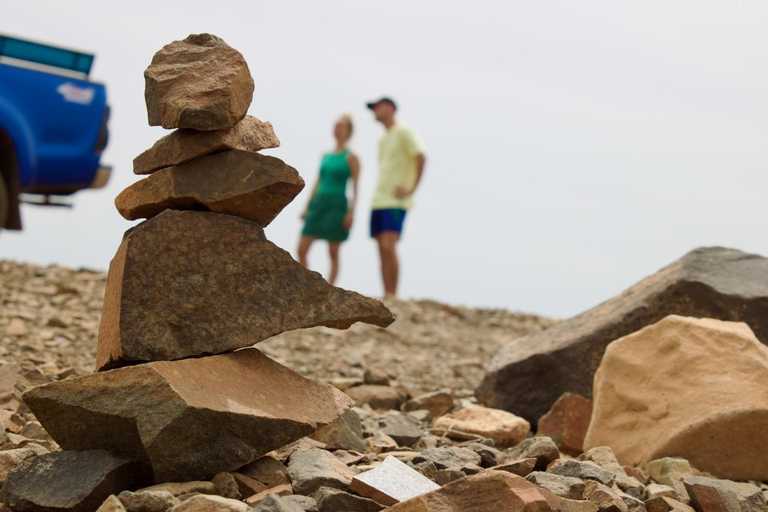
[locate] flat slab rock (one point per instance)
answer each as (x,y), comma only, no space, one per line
(186,284)
(529,374)
(200,83)
(188,419)
(240,183)
(707,402)
(491,491)
(181,146)
(71,481)
(392,482)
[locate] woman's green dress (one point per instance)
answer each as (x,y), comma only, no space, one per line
(325,216)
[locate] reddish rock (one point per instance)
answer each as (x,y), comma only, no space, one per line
(529,374)
(186,284)
(567,422)
(491,491)
(706,402)
(378,397)
(200,83)
(240,183)
(181,146)
(436,402)
(189,419)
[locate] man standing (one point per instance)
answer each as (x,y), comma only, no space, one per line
(401,164)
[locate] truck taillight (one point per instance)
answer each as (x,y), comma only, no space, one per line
(101,141)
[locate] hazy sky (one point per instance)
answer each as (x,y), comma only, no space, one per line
(572,147)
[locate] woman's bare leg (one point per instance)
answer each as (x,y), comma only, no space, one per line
(333,250)
(304,243)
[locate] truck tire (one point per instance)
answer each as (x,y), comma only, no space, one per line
(4,202)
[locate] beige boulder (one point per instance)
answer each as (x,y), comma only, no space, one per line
(181,146)
(200,83)
(248,185)
(503,427)
(186,284)
(685,387)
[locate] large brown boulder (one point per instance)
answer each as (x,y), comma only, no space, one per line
(200,83)
(241,183)
(188,419)
(685,387)
(529,374)
(181,146)
(186,284)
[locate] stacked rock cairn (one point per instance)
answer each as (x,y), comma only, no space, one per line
(179,391)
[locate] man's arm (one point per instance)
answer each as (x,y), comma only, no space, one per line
(403,192)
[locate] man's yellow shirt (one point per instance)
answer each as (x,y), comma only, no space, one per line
(398,149)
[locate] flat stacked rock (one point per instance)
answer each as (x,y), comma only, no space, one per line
(197,281)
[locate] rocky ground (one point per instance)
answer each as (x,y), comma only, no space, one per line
(50,317)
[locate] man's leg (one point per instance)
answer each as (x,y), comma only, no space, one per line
(333,250)
(390,267)
(304,243)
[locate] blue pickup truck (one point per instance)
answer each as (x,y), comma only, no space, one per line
(53,125)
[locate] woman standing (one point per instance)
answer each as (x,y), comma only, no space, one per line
(328,215)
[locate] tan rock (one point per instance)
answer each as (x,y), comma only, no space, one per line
(210,503)
(16,327)
(200,83)
(503,427)
(181,488)
(111,504)
(669,470)
(436,402)
(279,490)
(240,183)
(248,486)
(491,491)
(187,284)
(567,423)
(685,387)
(181,146)
(189,419)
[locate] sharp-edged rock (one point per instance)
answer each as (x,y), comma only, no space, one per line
(564,486)
(392,482)
(70,481)
(147,501)
(706,402)
(378,397)
(491,491)
(248,185)
(311,469)
(346,433)
(668,470)
(713,495)
(448,457)
(210,503)
(181,146)
(335,500)
(402,428)
(543,449)
(436,402)
(111,504)
(200,83)
(189,419)
(528,375)
(230,288)
(584,471)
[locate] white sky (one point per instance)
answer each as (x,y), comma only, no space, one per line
(573,147)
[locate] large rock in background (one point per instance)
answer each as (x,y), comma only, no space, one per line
(529,374)
(685,387)
(188,419)
(240,183)
(181,146)
(186,284)
(200,83)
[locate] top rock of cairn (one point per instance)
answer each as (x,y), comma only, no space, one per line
(200,83)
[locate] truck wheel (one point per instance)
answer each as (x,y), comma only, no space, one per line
(4,202)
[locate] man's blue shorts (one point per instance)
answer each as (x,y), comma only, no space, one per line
(390,219)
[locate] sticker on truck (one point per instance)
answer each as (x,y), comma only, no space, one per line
(75,94)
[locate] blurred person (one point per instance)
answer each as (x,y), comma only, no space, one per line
(328,216)
(401,165)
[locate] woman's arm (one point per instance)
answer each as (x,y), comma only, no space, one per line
(354,168)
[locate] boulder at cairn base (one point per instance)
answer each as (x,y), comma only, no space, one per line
(70,481)
(181,146)
(240,183)
(685,387)
(186,284)
(200,83)
(527,375)
(188,419)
